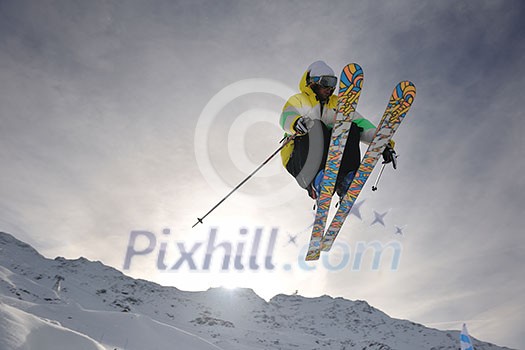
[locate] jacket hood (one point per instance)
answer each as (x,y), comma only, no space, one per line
(303,86)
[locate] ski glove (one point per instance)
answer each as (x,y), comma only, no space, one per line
(303,125)
(389,155)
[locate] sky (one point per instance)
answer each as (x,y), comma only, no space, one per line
(123,122)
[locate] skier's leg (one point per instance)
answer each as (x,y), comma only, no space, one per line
(350,161)
(308,155)
(314,188)
(327,135)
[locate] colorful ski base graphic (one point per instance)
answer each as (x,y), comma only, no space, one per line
(397,108)
(350,85)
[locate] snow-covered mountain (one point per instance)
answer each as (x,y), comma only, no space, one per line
(80,304)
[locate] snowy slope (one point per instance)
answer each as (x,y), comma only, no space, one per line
(21,330)
(97,307)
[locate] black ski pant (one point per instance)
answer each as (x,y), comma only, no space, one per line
(311,150)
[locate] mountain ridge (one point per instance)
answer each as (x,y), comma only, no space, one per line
(71,292)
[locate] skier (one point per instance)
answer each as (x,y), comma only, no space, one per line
(310,115)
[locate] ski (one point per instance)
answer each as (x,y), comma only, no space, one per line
(350,85)
(399,104)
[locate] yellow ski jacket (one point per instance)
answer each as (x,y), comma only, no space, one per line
(305,104)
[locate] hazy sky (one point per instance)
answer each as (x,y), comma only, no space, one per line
(135,115)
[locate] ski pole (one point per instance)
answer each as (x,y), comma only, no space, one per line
(286,141)
(394,163)
(374,187)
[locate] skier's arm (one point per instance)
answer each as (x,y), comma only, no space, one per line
(290,114)
(369,129)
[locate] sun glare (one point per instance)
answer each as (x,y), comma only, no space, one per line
(230,286)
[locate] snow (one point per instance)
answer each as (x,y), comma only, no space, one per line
(23,331)
(98,307)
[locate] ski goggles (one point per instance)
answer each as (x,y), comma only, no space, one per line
(326,81)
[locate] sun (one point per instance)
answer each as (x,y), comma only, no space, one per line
(230,285)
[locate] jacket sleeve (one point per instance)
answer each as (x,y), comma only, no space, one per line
(369,129)
(290,114)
